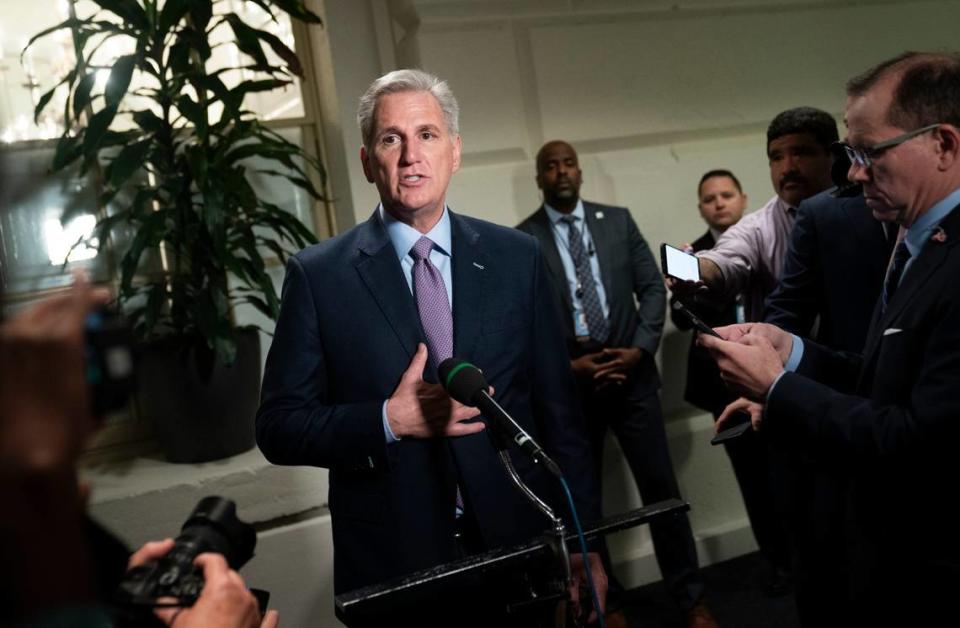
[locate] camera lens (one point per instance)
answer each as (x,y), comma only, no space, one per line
(213,526)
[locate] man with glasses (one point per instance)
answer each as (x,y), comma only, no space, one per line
(891,415)
(828,286)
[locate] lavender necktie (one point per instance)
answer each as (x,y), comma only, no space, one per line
(432,302)
(434,308)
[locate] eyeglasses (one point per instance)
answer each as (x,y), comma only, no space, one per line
(864,156)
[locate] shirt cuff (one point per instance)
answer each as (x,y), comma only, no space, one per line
(766,400)
(388,434)
(796,354)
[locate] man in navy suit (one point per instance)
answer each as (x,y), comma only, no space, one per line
(365,319)
(831,276)
(608,290)
(832,272)
(891,413)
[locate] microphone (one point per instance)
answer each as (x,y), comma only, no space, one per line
(466,383)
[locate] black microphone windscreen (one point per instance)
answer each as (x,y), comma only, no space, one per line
(462,380)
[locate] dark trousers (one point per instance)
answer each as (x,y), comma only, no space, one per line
(637,421)
(821,573)
(767,484)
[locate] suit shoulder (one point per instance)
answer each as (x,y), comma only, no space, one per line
(336,248)
(527,224)
(499,234)
(611,210)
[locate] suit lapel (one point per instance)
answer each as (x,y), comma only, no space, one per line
(933,255)
(543,230)
(380,270)
(600,233)
(470,285)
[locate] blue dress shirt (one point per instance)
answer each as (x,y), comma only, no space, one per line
(916,238)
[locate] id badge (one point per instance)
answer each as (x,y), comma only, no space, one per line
(580,323)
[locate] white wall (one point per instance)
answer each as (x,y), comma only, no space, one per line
(652,93)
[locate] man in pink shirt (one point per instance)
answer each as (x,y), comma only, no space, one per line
(746,261)
(748,256)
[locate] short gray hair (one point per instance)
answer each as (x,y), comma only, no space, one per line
(408,80)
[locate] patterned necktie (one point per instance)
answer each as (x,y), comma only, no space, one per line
(434,309)
(901,255)
(432,302)
(597,323)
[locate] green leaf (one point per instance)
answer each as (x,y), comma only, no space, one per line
(81,95)
(232,99)
(149,232)
(195,113)
(268,150)
(142,202)
(68,149)
(128,10)
(226,349)
(197,161)
(49,93)
(290,222)
(69,23)
(105,226)
(296,8)
(156,296)
(171,15)
(265,5)
(200,13)
(44,100)
(266,285)
(235,266)
(97,128)
(119,80)
(247,40)
(298,181)
(214,217)
(274,246)
(241,190)
(129,160)
(284,52)
(261,305)
(148,121)
(179,58)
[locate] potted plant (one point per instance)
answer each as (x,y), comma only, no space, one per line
(172,146)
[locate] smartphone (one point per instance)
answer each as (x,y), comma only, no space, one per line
(679,264)
(702,327)
(734,431)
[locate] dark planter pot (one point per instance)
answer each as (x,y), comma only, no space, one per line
(196,420)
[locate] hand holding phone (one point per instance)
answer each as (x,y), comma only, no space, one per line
(734,431)
(700,326)
(679,264)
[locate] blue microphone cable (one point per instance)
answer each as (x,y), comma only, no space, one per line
(583,550)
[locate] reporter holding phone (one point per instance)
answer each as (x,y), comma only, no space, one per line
(721,203)
(608,290)
(891,414)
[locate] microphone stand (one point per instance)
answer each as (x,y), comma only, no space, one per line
(554,538)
